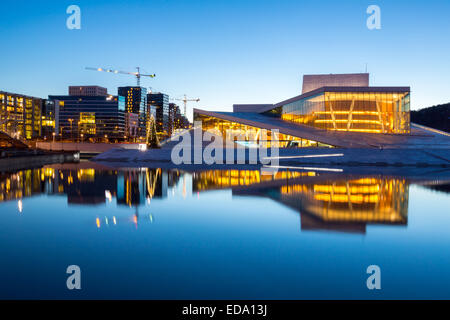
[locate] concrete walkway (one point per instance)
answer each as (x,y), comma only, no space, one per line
(347,157)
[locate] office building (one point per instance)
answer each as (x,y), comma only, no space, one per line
(50,116)
(131,126)
(134,100)
(88,117)
(20,115)
(176,119)
(160,103)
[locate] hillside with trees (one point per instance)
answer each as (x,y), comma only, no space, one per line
(437,117)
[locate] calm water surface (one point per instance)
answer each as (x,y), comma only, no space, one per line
(152,233)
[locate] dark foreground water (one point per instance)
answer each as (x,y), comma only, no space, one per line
(151,233)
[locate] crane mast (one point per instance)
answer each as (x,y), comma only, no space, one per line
(185,101)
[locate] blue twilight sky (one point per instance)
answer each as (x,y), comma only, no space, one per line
(225,52)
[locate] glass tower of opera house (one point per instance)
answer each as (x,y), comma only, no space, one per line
(334,110)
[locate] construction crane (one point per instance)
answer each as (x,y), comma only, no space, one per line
(185,101)
(137,74)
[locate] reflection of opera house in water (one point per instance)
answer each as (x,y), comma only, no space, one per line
(350,204)
(324,201)
(337,203)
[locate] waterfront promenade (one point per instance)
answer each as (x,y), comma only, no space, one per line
(86,147)
(424,148)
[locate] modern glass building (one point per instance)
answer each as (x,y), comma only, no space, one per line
(176,119)
(20,115)
(134,100)
(329,116)
(97,117)
(160,103)
(50,109)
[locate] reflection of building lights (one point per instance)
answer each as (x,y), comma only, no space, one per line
(106,220)
(135,220)
(150,217)
(86,174)
(362,200)
(229,178)
(305,168)
(308,156)
(19,205)
(114,220)
(108,195)
(97,221)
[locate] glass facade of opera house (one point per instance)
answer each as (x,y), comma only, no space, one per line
(248,135)
(371,110)
(357,111)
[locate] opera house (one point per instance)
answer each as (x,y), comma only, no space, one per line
(335,110)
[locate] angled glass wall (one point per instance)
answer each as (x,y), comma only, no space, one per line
(373,112)
(253,136)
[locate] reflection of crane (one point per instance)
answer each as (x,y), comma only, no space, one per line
(185,101)
(137,74)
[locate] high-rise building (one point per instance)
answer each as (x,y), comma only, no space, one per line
(134,100)
(131,126)
(176,119)
(160,102)
(20,115)
(87,91)
(174,111)
(50,116)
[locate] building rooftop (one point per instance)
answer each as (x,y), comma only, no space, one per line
(315,81)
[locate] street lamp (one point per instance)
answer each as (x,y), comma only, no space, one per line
(71,129)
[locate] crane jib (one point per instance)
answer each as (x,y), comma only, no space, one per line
(137,74)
